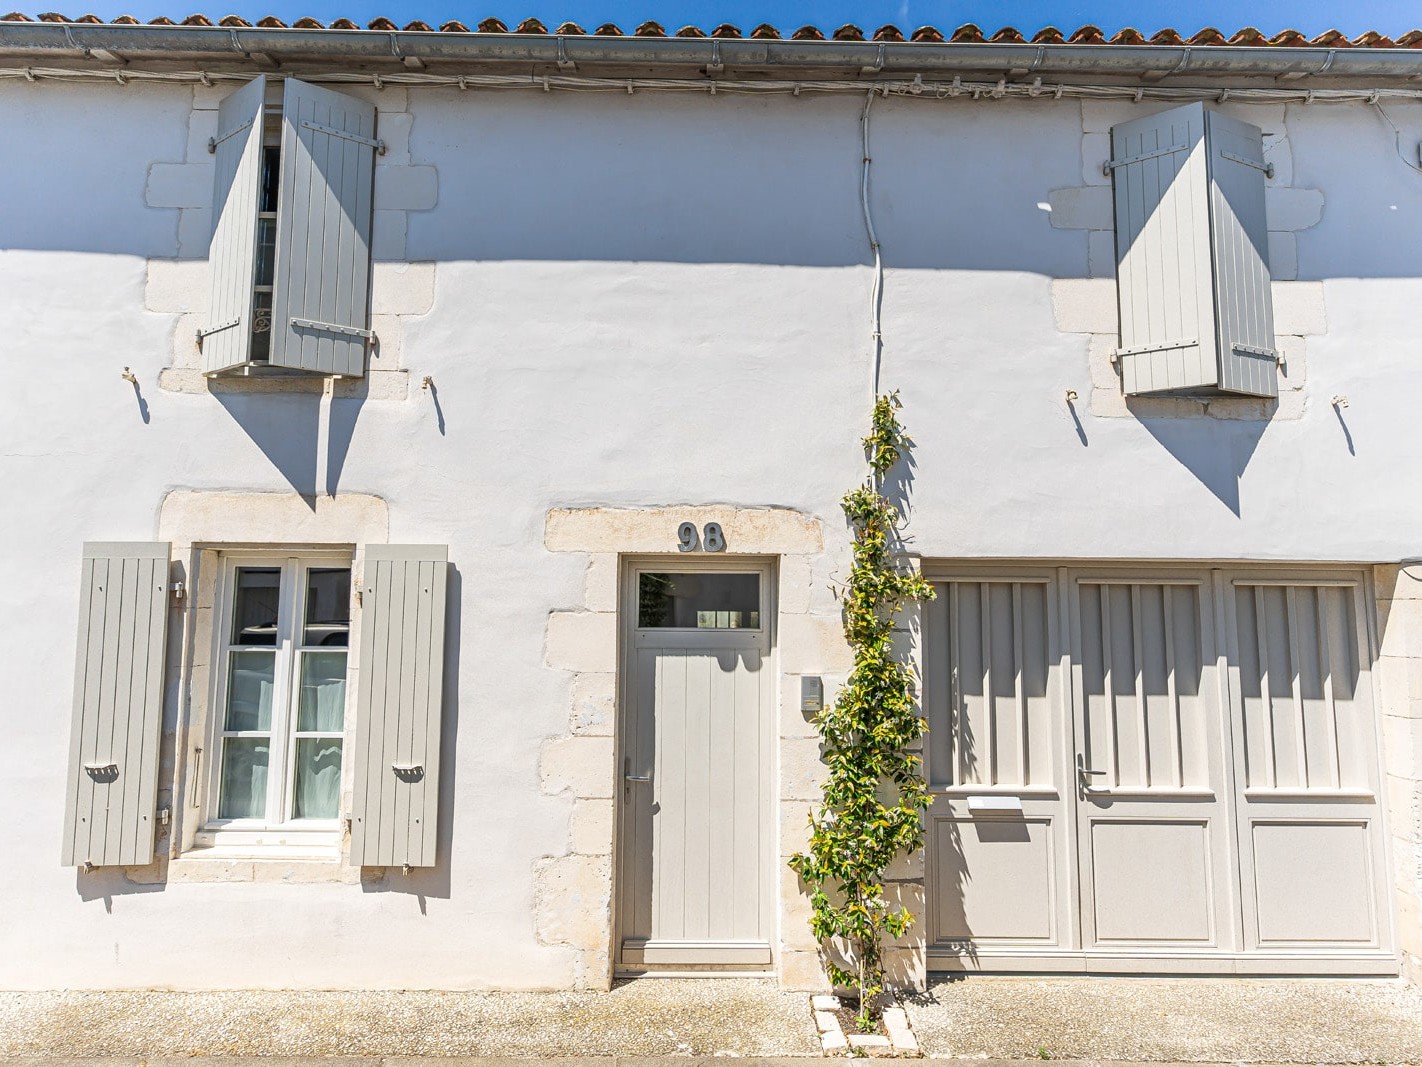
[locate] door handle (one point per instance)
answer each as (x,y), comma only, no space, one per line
(636,777)
(1084,774)
(628,778)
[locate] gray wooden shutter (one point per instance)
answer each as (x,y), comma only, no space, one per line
(1192,274)
(118,705)
(1244,303)
(227,337)
(321,306)
(400,685)
(1159,173)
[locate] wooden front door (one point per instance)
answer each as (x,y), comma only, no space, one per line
(696,790)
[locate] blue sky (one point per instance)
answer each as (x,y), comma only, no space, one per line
(1310,16)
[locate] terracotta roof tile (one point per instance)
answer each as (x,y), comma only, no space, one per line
(968,33)
(1249,36)
(1208,36)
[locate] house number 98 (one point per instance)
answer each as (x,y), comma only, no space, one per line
(712,539)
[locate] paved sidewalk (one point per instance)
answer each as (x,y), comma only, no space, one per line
(647,1018)
(1191,1020)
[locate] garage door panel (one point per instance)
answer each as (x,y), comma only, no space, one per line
(994,880)
(1314,883)
(1152,882)
(1225,810)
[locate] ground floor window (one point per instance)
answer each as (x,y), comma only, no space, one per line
(279,701)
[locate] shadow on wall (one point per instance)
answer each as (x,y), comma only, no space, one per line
(424,882)
(1215,451)
(288,428)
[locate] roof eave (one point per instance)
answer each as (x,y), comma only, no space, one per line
(239,47)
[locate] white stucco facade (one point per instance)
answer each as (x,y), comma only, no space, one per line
(599,315)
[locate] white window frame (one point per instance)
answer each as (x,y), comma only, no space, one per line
(304,835)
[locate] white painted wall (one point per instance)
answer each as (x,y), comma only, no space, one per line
(637,301)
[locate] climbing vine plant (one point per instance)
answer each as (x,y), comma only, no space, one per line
(875,795)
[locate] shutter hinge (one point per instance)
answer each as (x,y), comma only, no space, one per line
(1112,164)
(1255,350)
(1267,168)
(332,327)
(217,329)
(1168,346)
(331,131)
(213,142)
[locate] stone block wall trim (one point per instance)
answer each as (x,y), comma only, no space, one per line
(178,287)
(578,766)
(1399,689)
(1087,306)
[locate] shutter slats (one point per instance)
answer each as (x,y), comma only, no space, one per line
(233,250)
(1192,271)
(403,594)
(1162,269)
(1241,241)
(323,228)
(118,705)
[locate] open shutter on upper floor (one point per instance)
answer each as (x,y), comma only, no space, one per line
(1243,301)
(321,303)
(1192,275)
(226,339)
(400,686)
(118,705)
(1163,252)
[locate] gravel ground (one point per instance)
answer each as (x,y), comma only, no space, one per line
(646,1018)
(1182,1020)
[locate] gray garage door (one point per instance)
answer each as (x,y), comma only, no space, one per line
(1154,769)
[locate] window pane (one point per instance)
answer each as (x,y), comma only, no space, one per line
(254,616)
(271,174)
(323,692)
(262,328)
(318,778)
(707,601)
(328,607)
(244,779)
(249,691)
(266,251)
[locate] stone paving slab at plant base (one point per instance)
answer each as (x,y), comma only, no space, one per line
(710,1017)
(1191,1020)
